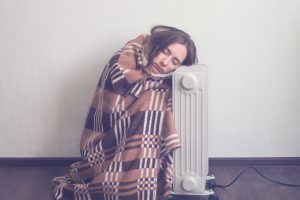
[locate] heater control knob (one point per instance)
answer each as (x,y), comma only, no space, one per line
(188,81)
(189,183)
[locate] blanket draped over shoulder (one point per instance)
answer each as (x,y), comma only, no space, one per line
(129,135)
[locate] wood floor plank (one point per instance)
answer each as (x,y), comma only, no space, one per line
(27,182)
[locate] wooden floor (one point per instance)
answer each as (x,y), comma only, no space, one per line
(34,183)
(251,186)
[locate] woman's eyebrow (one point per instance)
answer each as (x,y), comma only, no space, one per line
(168,50)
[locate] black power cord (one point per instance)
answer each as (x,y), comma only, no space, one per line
(212,183)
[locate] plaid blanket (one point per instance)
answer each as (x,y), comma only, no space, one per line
(129,135)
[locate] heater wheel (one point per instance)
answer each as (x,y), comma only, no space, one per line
(213,197)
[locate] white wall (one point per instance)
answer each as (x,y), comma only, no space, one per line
(52,53)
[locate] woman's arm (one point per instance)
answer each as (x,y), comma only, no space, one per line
(126,66)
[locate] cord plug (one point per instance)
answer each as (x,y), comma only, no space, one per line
(211,183)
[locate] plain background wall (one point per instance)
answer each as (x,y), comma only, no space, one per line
(52,54)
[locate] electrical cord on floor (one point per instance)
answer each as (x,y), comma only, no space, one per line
(213,184)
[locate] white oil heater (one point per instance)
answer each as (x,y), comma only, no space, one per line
(190,113)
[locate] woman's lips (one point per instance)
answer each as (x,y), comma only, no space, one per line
(158,68)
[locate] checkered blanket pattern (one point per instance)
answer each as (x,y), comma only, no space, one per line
(129,135)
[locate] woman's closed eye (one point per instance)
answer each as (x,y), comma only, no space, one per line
(175,61)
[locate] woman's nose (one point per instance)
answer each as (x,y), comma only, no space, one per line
(164,61)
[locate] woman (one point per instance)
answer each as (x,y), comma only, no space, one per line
(129,135)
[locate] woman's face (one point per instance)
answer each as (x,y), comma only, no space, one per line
(169,59)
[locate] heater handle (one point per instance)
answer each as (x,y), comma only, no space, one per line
(189,183)
(188,81)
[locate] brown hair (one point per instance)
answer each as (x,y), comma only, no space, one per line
(163,36)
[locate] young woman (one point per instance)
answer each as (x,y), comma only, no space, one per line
(129,134)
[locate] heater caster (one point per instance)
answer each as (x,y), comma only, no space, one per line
(213,197)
